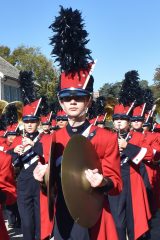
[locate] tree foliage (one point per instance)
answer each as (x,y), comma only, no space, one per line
(113,90)
(157,76)
(143,84)
(110,90)
(31,59)
(156,87)
(5,52)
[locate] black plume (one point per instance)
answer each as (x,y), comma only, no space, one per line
(55,106)
(11,114)
(148,99)
(131,90)
(100,105)
(27,86)
(3,122)
(69,41)
(44,106)
(92,110)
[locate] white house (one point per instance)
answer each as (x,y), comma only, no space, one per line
(9,85)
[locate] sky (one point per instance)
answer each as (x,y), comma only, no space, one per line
(124,34)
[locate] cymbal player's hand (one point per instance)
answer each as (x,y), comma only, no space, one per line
(40,171)
(94,177)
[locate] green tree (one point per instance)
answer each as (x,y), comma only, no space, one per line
(143,84)
(156,91)
(5,52)
(110,90)
(156,78)
(156,86)
(31,59)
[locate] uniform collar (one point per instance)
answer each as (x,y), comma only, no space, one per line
(77,130)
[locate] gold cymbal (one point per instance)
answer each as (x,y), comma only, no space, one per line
(84,202)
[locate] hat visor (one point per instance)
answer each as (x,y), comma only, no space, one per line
(100,122)
(137,118)
(73,92)
(30,118)
(120,116)
(45,123)
(62,118)
(13,133)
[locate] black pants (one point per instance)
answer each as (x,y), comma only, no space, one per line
(13,214)
(121,208)
(28,197)
(64,226)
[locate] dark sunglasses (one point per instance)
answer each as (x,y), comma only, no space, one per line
(61,119)
(76,98)
(31,121)
(137,119)
(120,117)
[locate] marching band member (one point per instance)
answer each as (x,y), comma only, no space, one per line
(27,150)
(130,208)
(75,95)
(61,119)
(75,106)
(137,118)
(46,123)
(149,169)
(12,130)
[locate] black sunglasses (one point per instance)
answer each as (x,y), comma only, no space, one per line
(76,98)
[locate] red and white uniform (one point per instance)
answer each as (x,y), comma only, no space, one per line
(46,225)
(106,146)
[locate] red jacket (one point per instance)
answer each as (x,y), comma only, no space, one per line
(46,224)
(140,205)
(7,185)
(153,170)
(106,146)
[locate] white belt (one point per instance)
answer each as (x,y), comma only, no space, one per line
(28,164)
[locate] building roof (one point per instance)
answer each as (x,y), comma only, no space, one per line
(8,69)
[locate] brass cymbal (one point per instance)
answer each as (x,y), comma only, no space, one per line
(84,202)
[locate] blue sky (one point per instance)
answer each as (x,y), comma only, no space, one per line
(124,34)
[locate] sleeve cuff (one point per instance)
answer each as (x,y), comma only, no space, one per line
(135,153)
(108,185)
(131,151)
